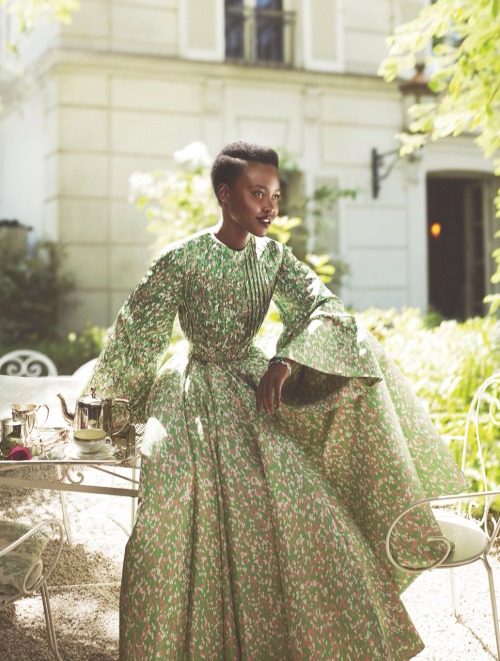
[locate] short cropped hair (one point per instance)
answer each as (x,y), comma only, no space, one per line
(230,162)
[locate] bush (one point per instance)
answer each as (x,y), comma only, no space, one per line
(69,353)
(446,364)
(33,293)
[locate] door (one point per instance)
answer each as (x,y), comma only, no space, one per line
(460,241)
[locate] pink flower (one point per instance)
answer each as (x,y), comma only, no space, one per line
(19,453)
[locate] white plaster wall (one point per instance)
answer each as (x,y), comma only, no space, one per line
(22,169)
(104,122)
(100,114)
(366,26)
(357,32)
(123,26)
(43,37)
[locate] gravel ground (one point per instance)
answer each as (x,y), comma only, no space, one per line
(85,588)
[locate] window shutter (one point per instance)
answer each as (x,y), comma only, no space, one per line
(322,36)
(201,27)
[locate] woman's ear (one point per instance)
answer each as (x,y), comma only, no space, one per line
(223,192)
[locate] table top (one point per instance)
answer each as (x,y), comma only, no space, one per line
(61,472)
(54,446)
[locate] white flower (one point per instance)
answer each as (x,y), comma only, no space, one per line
(193,156)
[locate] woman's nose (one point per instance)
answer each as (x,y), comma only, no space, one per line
(270,205)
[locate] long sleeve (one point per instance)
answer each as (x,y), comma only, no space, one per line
(334,358)
(140,335)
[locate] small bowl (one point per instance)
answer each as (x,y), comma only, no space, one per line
(90,441)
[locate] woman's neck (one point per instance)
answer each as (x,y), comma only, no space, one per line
(231,235)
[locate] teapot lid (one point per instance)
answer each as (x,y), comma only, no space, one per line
(91,399)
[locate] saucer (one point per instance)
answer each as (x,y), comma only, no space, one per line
(72,452)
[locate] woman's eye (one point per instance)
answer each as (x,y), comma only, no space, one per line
(258,193)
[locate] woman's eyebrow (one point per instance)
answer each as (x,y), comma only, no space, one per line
(264,187)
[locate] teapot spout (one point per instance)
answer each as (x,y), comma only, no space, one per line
(69,417)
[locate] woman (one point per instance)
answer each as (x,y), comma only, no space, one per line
(267,487)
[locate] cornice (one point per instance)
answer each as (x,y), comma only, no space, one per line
(71,60)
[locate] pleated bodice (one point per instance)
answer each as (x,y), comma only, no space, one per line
(226,297)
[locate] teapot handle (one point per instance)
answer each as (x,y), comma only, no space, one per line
(126,404)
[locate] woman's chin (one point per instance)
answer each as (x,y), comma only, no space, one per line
(261,230)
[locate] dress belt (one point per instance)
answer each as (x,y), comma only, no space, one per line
(193,356)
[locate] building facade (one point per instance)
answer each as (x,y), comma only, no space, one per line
(131,81)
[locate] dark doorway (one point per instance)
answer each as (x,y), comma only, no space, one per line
(456,246)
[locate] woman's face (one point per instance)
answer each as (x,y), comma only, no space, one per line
(252,202)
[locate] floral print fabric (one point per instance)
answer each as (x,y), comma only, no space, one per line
(262,537)
(21,567)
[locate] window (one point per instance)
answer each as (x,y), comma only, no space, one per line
(269,25)
(262,34)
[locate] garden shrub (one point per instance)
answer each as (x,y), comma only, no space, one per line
(67,353)
(446,364)
(34,293)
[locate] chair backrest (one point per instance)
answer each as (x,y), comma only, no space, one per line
(482,425)
(27,362)
(40,390)
(84,372)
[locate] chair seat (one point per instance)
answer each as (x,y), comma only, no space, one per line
(469,539)
(22,565)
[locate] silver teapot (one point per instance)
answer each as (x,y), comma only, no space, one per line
(95,412)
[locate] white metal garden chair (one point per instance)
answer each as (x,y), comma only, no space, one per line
(464,539)
(24,568)
(27,362)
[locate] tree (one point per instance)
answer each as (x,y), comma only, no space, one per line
(462,38)
(27,14)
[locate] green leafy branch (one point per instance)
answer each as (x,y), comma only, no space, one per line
(464,64)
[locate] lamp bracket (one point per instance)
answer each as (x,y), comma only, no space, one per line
(378,175)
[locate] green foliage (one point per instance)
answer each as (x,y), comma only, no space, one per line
(180,202)
(26,15)
(464,72)
(68,353)
(464,69)
(33,293)
(29,12)
(445,364)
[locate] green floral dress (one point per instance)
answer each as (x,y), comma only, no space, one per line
(262,537)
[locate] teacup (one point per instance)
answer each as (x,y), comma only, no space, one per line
(90,441)
(29,414)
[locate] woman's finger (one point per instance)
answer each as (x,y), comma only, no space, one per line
(277,393)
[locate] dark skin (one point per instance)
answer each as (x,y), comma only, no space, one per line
(249,206)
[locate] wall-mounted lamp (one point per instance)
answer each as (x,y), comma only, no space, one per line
(378,164)
(412,90)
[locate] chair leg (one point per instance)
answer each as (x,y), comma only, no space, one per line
(453,593)
(51,633)
(493,598)
(62,497)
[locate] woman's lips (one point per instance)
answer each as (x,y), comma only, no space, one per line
(264,220)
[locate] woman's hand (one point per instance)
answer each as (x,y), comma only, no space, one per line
(269,389)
